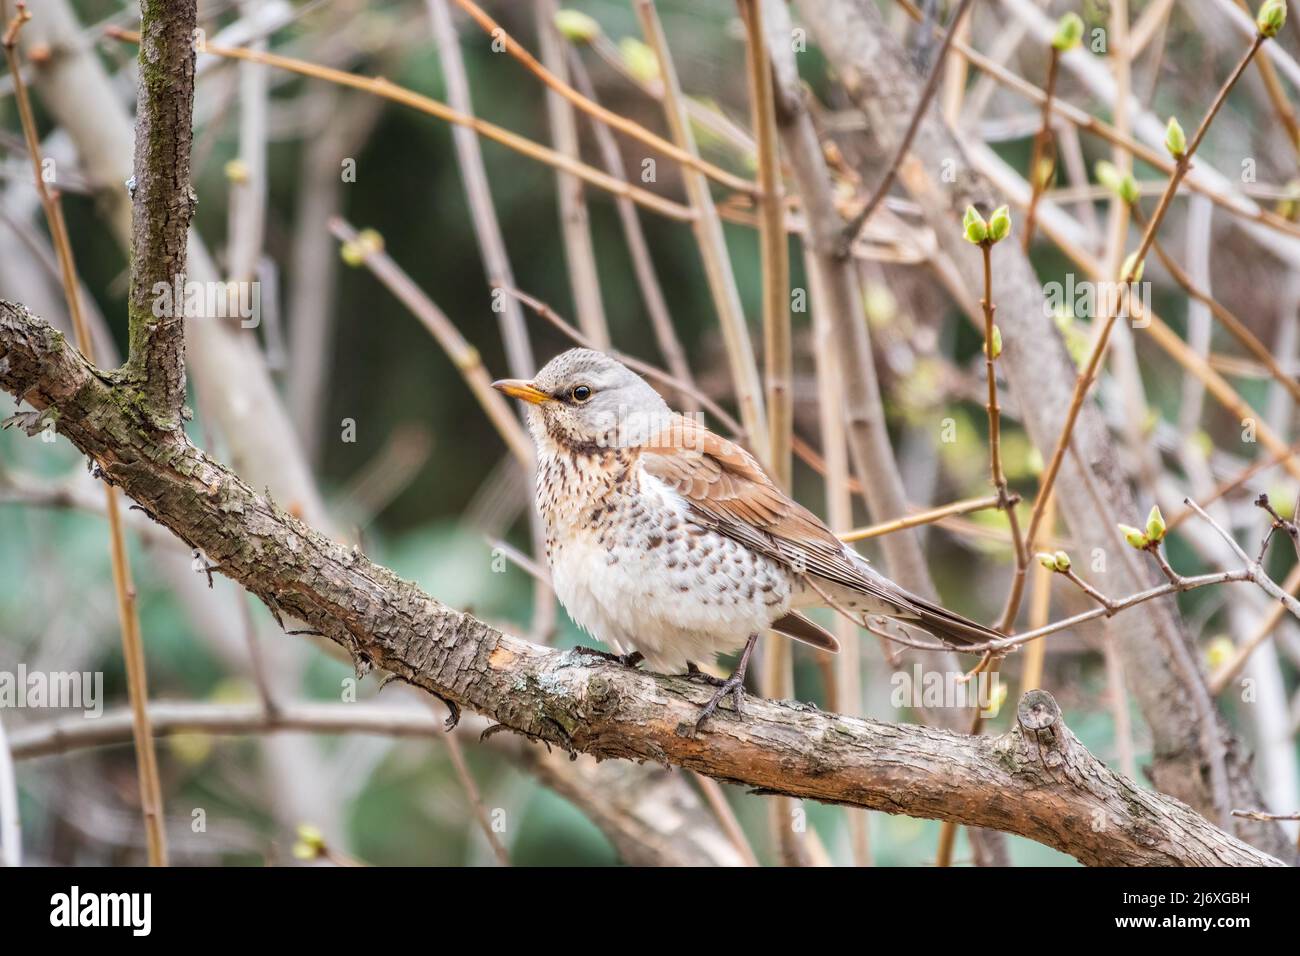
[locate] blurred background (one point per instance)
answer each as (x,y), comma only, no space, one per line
(400,460)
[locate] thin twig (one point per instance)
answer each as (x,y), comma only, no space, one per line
(1086,121)
(929,516)
(1271,587)
(1227,319)
(575,222)
(713,247)
(839,513)
(1235,482)
(1044,148)
(1226,674)
(123,583)
(1089,373)
(1005,500)
(638,249)
(492,249)
(621,123)
(472,794)
(717,801)
(464,356)
(778,360)
(855,226)
(1277,93)
(1040,608)
(1264,815)
(390,91)
(11,831)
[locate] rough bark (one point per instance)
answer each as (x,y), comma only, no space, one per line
(1190,741)
(163,203)
(1037,780)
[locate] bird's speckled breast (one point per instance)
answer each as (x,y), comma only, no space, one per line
(635,571)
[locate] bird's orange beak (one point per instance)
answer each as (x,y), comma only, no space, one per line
(518,388)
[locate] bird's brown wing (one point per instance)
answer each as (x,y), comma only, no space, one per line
(729,492)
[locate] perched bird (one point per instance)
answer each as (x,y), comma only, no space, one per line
(670,544)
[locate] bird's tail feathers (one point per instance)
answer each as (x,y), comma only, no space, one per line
(809,632)
(949,626)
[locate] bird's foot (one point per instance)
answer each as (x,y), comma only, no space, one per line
(627,660)
(733,685)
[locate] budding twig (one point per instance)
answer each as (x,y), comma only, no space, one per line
(1085,121)
(1182,152)
(1279,524)
(1042,160)
(986,235)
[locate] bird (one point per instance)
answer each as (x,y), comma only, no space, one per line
(671,544)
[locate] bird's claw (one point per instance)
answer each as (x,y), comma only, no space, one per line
(733,685)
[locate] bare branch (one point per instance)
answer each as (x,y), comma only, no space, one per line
(162,201)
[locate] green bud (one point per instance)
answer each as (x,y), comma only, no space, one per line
(1047,560)
(576,26)
(1219,651)
(1107,174)
(1271,17)
(1062,561)
(1288,203)
(1121,184)
(236,171)
(999,224)
(1128,189)
(994,346)
(1283,498)
(1132,269)
(352,253)
(1175,138)
(1134,537)
(1046,170)
(310,843)
(976,229)
(1069,31)
(639,59)
(1156,524)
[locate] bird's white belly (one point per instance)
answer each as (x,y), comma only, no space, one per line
(663,586)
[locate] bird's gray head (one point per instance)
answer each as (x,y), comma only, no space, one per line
(586,399)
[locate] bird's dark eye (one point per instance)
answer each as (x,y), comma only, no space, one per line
(581,393)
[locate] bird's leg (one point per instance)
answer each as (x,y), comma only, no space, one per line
(734,685)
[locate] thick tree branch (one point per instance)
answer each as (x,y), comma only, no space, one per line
(1037,780)
(163,202)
